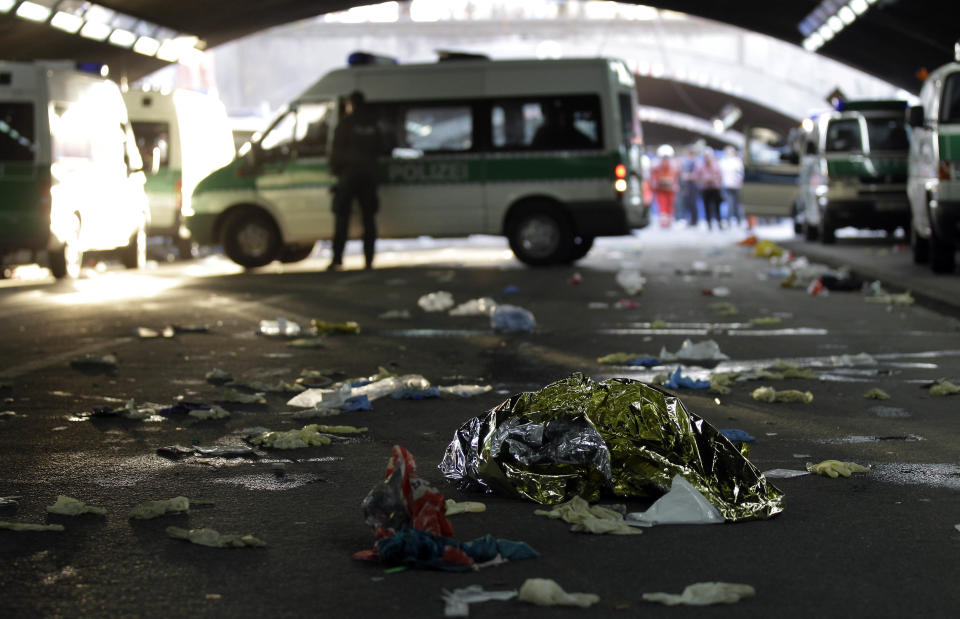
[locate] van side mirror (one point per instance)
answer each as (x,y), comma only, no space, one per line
(915,116)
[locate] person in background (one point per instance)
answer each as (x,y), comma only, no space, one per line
(688,191)
(357,142)
(664,178)
(709,181)
(731,173)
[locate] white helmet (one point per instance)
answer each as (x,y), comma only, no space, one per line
(665,150)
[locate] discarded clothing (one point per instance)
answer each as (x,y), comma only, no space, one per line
(835,468)
(704,594)
(411,393)
(943,388)
(679,381)
(589,518)
(547,592)
(423,550)
(212,538)
(577,437)
(738,435)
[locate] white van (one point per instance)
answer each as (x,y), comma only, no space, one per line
(933,184)
(70,174)
(463,160)
(183,136)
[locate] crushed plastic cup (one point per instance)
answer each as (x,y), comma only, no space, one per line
(512,319)
(281,327)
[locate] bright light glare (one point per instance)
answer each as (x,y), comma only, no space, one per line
(66,22)
(807,124)
(147,46)
(859,6)
(113,287)
(385,12)
(95,30)
(6,5)
(33,11)
(835,23)
(427,10)
(826,32)
(122,38)
(847,15)
(718,125)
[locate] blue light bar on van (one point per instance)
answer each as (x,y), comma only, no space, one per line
(359,59)
(871,104)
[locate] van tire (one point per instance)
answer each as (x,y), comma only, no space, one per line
(251,238)
(66,260)
(942,255)
(295,253)
(134,254)
(920,247)
(540,235)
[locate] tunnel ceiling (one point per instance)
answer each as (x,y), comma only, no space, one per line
(893,40)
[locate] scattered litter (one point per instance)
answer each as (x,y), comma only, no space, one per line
(706,350)
(323,327)
(683,504)
(627,304)
(214,412)
(312,435)
(307,342)
(945,387)
(723,308)
(877,394)
(817,289)
(232,395)
(769,394)
(462,507)
(212,451)
(738,435)
(154,509)
(396,314)
(5,414)
(457,602)
(841,281)
(464,391)
(767,249)
(128,411)
(408,518)
(588,518)
(439,301)
(26,526)
(784,473)
(94,362)
(750,241)
(281,327)
(257,385)
(852,360)
(323,398)
(576,279)
(631,280)
(719,291)
(483,306)
(67,506)
(413,393)
(658,324)
(578,437)
(766,320)
(833,468)
(217,376)
(547,592)
(704,594)
(628,358)
(145,333)
(874,293)
(678,381)
(210,537)
(512,319)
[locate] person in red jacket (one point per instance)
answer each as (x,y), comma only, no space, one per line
(664,179)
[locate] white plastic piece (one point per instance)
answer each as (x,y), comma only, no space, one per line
(483,306)
(439,301)
(213,539)
(706,350)
(458,601)
(280,327)
(684,504)
(464,391)
(546,592)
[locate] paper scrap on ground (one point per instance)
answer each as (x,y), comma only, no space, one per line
(153,509)
(27,526)
(312,435)
(784,473)
(439,301)
(588,518)
(458,601)
(769,394)
(68,506)
(835,468)
(704,594)
(463,507)
(877,394)
(214,539)
(547,592)
(706,350)
(683,504)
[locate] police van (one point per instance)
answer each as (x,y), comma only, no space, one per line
(934,169)
(545,152)
(70,175)
(853,169)
(182,136)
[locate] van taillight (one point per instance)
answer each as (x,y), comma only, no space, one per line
(620,184)
(943,170)
(620,171)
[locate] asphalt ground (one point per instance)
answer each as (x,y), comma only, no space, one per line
(881,544)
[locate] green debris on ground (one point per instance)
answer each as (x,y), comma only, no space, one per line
(724,308)
(769,394)
(944,387)
(835,468)
(619,358)
(766,320)
(68,506)
(214,539)
(877,394)
(658,324)
(154,509)
(28,526)
(721,383)
(588,518)
(336,328)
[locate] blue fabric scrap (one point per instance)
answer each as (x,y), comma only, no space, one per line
(357,403)
(679,381)
(419,549)
(738,435)
(644,361)
(411,393)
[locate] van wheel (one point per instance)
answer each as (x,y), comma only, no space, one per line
(250,238)
(66,260)
(295,253)
(920,247)
(540,235)
(942,255)
(134,255)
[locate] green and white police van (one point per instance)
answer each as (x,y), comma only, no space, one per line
(465,155)
(183,136)
(70,175)
(934,169)
(853,169)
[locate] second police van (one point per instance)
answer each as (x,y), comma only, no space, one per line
(466,154)
(934,182)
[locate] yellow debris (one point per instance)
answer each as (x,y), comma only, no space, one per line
(834,468)
(877,394)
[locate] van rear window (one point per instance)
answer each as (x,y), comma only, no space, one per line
(887,134)
(153,142)
(950,106)
(17,132)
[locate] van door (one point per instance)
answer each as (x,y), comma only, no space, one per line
(770,174)
(24,182)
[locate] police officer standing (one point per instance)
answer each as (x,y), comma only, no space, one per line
(357,142)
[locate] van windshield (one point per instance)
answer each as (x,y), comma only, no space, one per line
(887,134)
(950,107)
(16,132)
(153,142)
(844,136)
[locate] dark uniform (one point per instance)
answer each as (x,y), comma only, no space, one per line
(357,142)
